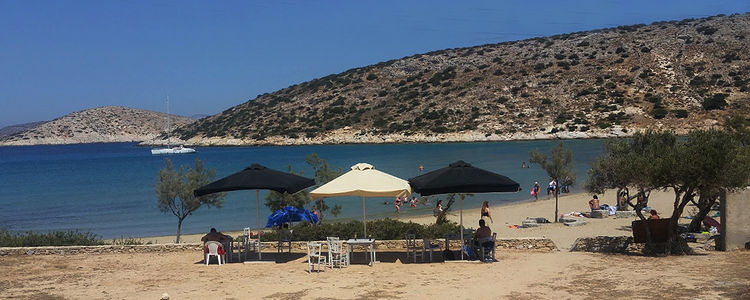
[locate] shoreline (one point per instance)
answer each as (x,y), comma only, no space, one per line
(341,139)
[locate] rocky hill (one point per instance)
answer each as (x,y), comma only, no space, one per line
(98,125)
(9,130)
(676,75)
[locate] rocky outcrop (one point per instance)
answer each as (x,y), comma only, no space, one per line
(98,125)
(678,76)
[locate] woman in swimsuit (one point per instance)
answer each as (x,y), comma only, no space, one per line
(486,211)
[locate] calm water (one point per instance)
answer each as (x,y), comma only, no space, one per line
(109,188)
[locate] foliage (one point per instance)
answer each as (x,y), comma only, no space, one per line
(716,101)
(705,163)
(323,174)
(174,190)
(559,167)
(450,200)
(53,238)
(385,229)
(275,200)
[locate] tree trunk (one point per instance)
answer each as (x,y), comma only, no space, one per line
(677,245)
(179,228)
(704,208)
(556,202)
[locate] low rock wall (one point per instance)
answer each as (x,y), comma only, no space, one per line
(606,244)
(527,244)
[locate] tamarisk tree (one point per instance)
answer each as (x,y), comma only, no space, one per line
(559,167)
(174,190)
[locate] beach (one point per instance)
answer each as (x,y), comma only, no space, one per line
(517,274)
(514,213)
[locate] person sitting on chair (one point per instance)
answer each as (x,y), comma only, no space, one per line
(654,215)
(215,236)
(483,232)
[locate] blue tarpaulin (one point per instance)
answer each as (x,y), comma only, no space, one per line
(290,214)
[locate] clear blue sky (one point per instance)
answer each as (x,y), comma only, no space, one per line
(58,57)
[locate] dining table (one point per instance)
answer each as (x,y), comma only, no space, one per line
(370,243)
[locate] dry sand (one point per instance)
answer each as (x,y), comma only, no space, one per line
(516,274)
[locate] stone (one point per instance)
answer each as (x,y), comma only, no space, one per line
(577,223)
(625,214)
(164,296)
(599,214)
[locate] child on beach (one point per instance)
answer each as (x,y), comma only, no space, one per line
(535,190)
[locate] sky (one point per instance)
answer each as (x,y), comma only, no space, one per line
(58,57)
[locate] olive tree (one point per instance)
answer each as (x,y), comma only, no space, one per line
(559,167)
(174,190)
(705,162)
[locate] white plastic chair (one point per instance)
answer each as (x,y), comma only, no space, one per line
(315,257)
(213,250)
(428,246)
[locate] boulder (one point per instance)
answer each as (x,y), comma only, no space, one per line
(599,214)
(625,214)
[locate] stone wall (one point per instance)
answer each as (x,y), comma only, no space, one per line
(606,244)
(103,249)
(526,244)
(736,220)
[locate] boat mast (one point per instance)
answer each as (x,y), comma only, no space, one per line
(169,129)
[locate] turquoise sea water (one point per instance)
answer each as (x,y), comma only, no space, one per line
(109,188)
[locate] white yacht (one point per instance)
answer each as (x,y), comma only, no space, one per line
(179,149)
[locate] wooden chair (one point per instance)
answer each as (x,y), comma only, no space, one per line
(315,257)
(411,248)
(487,254)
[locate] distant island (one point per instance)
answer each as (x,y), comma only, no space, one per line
(97,125)
(676,75)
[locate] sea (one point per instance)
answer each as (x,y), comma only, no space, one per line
(108,188)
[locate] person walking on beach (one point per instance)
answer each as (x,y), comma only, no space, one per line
(535,190)
(551,187)
(397,204)
(486,212)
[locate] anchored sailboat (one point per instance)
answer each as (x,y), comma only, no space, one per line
(179,149)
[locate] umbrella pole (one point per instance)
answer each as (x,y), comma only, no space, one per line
(257,210)
(461,220)
(364,216)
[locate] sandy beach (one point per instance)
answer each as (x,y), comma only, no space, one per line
(516,274)
(513,214)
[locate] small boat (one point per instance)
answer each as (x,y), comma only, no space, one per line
(179,149)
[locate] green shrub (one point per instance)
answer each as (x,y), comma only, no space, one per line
(53,238)
(680,113)
(385,229)
(372,76)
(716,101)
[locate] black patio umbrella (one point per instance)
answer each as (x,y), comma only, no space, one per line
(257,177)
(461,177)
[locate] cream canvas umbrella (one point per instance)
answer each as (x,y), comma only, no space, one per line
(363,181)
